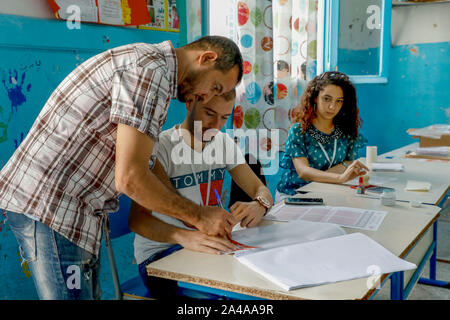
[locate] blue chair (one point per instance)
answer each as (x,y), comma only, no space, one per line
(134,288)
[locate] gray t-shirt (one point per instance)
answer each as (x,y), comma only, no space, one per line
(191,173)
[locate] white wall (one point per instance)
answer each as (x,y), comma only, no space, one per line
(219,13)
(420,23)
(29,8)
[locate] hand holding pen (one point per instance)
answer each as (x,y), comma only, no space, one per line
(239,245)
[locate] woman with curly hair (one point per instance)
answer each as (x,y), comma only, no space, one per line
(323,141)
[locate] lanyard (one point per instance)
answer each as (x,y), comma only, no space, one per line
(326,154)
(198,185)
(196,179)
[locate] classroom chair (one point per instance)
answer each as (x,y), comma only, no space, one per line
(236,193)
(134,288)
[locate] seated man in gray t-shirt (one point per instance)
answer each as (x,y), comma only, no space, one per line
(192,158)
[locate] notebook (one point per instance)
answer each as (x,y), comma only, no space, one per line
(328,260)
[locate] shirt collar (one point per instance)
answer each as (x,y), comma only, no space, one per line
(324,138)
(172,63)
(176,135)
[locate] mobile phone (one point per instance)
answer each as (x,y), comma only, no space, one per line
(304,201)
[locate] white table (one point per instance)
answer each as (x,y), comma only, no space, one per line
(401,230)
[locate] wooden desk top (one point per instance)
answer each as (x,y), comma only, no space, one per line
(401,229)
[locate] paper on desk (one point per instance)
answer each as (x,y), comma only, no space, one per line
(373,180)
(344,216)
(386,166)
(412,185)
(282,234)
(323,261)
(433,151)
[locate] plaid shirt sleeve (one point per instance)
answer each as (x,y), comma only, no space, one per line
(140,98)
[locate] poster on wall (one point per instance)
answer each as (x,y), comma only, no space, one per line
(111,12)
(163,16)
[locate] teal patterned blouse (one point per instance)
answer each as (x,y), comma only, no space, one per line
(306,145)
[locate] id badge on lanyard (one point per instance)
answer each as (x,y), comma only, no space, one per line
(326,154)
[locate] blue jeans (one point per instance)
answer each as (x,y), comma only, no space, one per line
(60,269)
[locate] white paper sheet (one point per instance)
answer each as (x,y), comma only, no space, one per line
(87,9)
(323,261)
(433,151)
(282,234)
(343,216)
(412,185)
(386,166)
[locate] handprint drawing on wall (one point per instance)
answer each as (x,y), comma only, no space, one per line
(15,89)
(17,142)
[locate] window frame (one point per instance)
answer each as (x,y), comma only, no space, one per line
(328,36)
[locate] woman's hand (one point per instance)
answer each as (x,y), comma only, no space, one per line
(354,170)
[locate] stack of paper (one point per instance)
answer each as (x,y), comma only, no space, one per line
(412,185)
(323,261)
(282,234)
(386,166)
(433,151)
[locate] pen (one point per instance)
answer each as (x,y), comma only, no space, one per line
(238,244)
(218,198)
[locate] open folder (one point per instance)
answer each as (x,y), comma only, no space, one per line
(328,256)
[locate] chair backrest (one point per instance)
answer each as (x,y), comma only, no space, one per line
(236,193)
(118,221)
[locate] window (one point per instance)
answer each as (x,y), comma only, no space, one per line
(356,38)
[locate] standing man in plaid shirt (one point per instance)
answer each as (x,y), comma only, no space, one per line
(93,141)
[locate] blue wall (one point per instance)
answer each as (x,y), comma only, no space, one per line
(36,55)
(417,95)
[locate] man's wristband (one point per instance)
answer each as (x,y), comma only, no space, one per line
(263,203)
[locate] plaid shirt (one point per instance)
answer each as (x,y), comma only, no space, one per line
(63,172)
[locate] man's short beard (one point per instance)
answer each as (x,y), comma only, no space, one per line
(181,96)
(192,79)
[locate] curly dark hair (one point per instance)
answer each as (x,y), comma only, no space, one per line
(348,119)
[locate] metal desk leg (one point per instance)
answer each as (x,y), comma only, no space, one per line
(432,280)
(397,286)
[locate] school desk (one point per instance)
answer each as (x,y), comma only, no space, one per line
(435,172)
(401,231)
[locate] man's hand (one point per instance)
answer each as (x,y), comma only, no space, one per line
(215,221)
(200,242)
(249,213)
(354,170)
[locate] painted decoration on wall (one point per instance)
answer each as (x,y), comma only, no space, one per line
(111,12)
(163,16)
